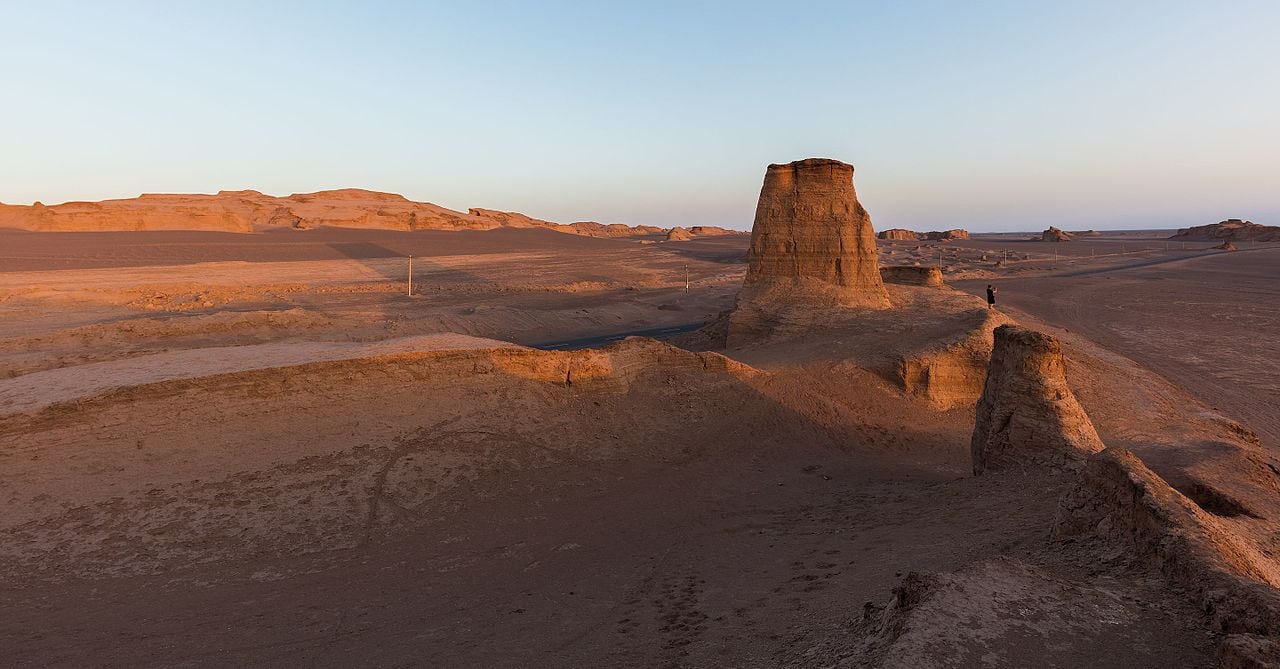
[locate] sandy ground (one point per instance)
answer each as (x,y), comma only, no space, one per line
(1206,323)
(254,450)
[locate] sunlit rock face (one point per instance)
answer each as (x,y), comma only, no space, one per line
(812,239)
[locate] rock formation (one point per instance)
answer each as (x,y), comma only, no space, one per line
(899,234)
(902,234)
(951,371)
(1027,414)
(249,210)
(1118,498)
(1232,229)
(946,235)
(1226,246)
(912,275)
(812,239)
(1055,235)
(679,234)
(711,230)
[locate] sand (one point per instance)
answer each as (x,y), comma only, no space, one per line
(256,450)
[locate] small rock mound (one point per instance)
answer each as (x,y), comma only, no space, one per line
(1027,413)
(1226,246)
(679,234)
(1055,235)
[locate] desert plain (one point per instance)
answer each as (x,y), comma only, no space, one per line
(266,448)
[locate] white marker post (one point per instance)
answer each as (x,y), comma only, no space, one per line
(686,278)
(410,292)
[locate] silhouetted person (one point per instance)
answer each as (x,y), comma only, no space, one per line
(991,296)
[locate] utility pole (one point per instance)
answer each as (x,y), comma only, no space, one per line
(410,293)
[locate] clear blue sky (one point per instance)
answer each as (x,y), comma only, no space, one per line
(985,115)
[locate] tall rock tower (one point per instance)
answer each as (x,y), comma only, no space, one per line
(812,245)
(812,235)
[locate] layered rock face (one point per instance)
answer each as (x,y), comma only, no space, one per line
(913,275)
(945,235)
(1232,229)
(1027,414)
(899,234)
(812,239)
(902,234)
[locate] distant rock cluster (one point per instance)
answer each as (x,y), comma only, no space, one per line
(1232,229)
(1055,235)
(902,234)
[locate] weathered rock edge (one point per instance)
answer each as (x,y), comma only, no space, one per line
(1118,498)
(1027,414)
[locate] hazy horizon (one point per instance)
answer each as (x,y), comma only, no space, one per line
(997,118)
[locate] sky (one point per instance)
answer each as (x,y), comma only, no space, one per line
(984,115)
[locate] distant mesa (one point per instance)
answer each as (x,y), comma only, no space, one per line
(1232,229)
(902,234)
(946,235)
(1027,413)
(1055,235)
(251,210)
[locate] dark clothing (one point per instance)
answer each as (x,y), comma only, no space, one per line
(991,296)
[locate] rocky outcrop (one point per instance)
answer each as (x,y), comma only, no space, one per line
(1119,499)
(250,210)
(812,246)
(1232,229)
(951,372)
(913,275)
(899,234)
(679,234)
(902,234)
(1055,235)
(1027,414)
(711,231)
(812,237)
(241,211)
(1225,246)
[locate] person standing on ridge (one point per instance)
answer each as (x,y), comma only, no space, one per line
(991,296)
